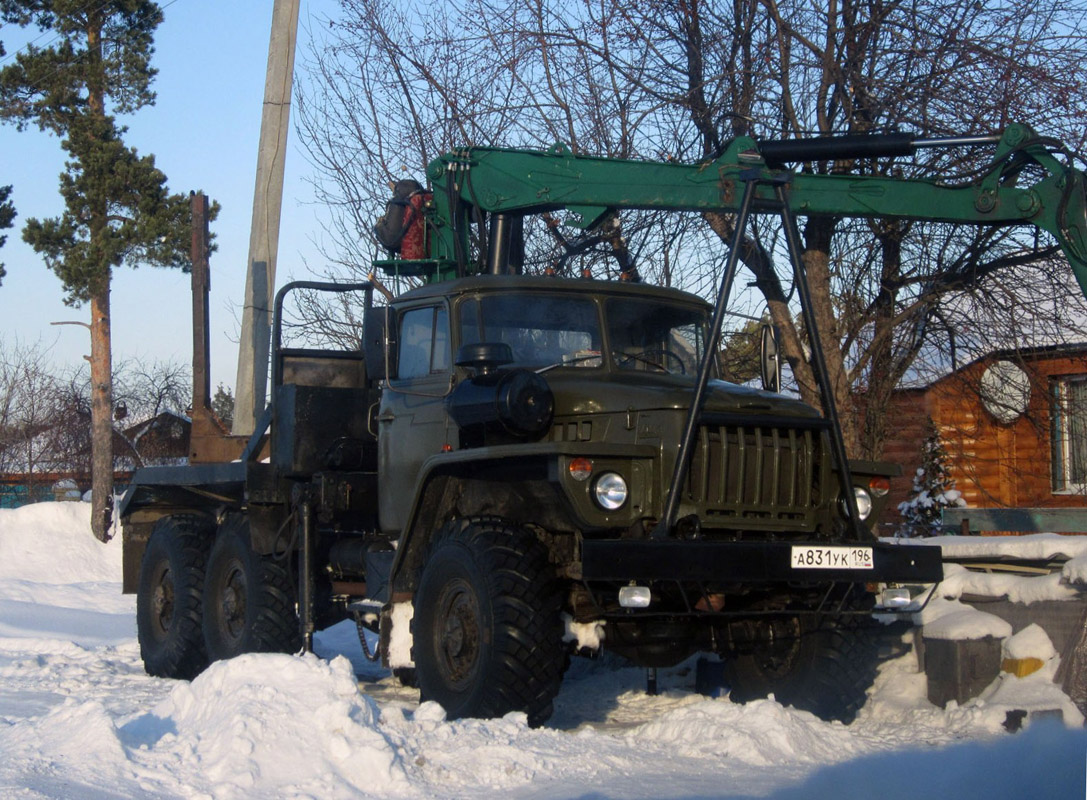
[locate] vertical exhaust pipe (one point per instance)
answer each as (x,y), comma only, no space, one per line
(498,241)
(505,244)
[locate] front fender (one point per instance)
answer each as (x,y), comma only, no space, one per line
(524,484)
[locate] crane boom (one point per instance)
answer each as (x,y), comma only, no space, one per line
(1051,195)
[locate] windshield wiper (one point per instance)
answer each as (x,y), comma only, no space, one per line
(568,362)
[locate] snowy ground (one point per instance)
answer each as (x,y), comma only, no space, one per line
(80,719)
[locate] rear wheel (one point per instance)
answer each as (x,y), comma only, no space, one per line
(824,665)
(487,631)
(249,598)
(169,599)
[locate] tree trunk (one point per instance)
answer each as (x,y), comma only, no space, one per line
(816,260)
(101,418)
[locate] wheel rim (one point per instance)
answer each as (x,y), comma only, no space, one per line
(457,635)
(232,604)
(162,601)
(777,646)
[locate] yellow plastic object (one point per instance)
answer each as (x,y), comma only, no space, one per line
(1021,667)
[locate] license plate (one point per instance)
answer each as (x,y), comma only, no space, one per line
(831,558)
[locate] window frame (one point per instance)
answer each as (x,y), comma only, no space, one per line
(439,353)
(1063,414)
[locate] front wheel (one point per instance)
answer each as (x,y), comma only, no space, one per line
(487,630)
(824,665)
(249,598)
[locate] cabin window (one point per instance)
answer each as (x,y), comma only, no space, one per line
(1069,434)
(424,343)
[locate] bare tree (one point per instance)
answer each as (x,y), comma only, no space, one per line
(45,412)
(148,388)
(143,391)
(67,442)
(28,396)
(661,80)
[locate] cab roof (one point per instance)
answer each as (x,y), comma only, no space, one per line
(548,284)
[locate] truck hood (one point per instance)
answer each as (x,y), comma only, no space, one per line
(578,394)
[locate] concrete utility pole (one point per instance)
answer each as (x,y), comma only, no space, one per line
(260,279)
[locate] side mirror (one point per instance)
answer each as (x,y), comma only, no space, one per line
(379,343)
(770,358)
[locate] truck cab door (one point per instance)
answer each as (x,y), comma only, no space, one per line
(412,421)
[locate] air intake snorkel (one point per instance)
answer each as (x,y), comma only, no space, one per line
(495,404)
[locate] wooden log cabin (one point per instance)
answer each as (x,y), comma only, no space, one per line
(1013,423)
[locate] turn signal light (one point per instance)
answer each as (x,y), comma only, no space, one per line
(581,468)
(879,486)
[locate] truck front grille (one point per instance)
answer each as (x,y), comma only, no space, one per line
(749,476)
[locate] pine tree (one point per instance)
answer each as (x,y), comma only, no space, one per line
(7,212)
(223,405)
(118,210)
(933,489)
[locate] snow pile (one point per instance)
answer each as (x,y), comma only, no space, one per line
(240,718)
(47,551)
(761,733)
(75,744)
(1031,642)
(52,543)
(1042,547)
(945,618)
(1038,691)
(959,581)
(1029,547)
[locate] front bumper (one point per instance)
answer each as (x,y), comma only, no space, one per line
(747,562)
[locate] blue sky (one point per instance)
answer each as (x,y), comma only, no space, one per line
(203,130)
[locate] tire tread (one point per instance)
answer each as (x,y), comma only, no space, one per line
(527,657)
(182,655)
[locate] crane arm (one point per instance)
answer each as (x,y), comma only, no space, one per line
(1024,184)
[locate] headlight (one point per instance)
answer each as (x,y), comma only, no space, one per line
(610,491)
(864,503)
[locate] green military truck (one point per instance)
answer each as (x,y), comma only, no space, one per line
(514,468)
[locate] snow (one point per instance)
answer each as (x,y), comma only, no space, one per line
(1032,547)
(587,635)
(1074,571)
(80,719)
(400,639)
(959,581)
(1031,642)
(1043,547)
(945,618)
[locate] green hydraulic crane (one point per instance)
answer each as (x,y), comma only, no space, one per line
(506,184)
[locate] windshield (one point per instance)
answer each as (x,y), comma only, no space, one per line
(564,330)
(541,329)
(651,336)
